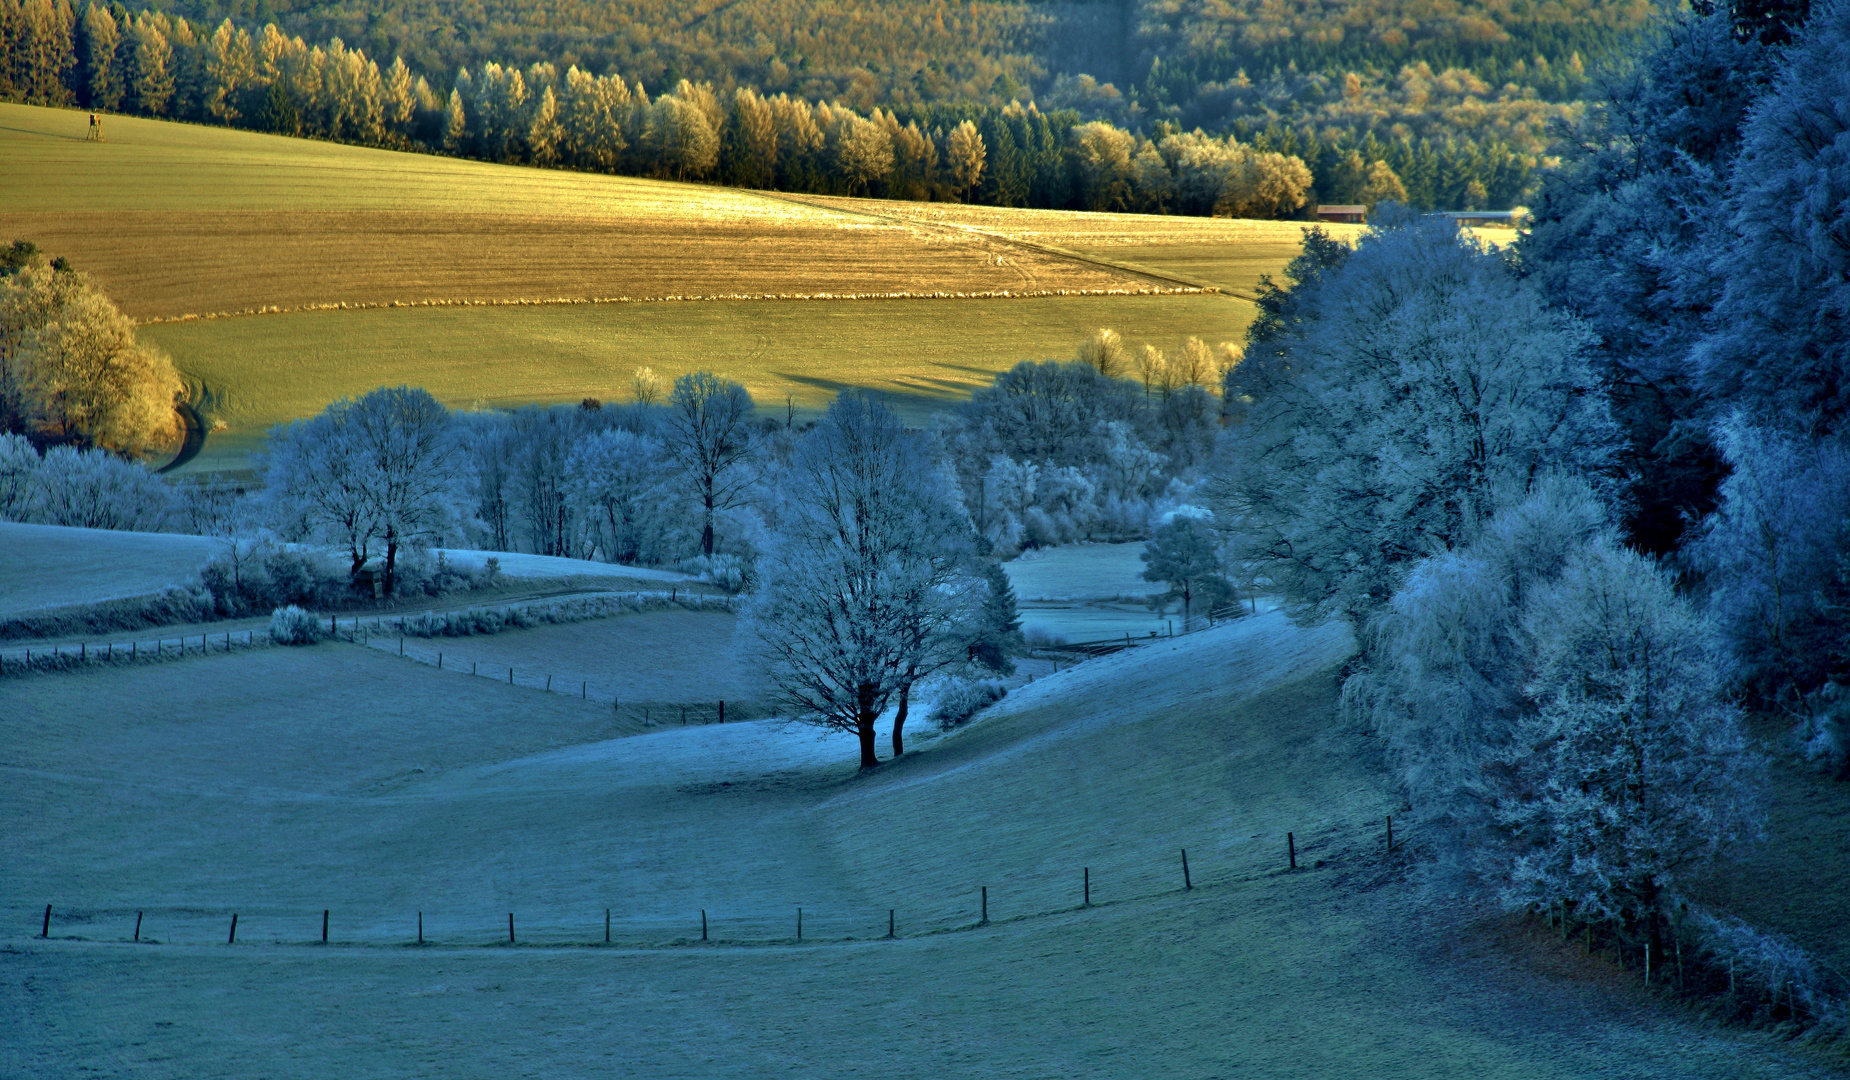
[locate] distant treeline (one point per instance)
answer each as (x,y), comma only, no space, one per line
(952,146)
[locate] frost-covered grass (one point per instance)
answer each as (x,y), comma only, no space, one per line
(1086,592)
(657,656)
(50,566)
(333,777)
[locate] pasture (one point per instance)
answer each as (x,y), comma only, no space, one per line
(925,354)
(177,220)
(48,566)
(340,778)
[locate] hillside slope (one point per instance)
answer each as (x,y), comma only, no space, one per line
(427,800)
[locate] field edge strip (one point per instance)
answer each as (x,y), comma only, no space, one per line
(1000,294)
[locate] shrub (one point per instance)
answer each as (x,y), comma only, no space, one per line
(962,699)
(250,576)
(726,571)
(293,626)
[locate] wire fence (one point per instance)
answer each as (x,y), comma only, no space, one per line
(360,629)
(1114,879)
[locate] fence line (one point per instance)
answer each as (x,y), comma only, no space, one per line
(61,656)
(1182,872)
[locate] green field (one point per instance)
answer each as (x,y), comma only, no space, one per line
(177,220)
(927,353)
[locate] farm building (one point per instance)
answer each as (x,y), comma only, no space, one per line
(1343,214)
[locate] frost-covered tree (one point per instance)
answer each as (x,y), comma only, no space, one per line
(618,482)
(1443,673)
(1776,561)
(708,428)
(92,489)
(406,443)
(1424,389)
(377,473)
(1555,712)
(1183,556)
(1630,772)
(18,461)
(1781,344)
(90,382)
(864,586)
(71,369)
(1623,235)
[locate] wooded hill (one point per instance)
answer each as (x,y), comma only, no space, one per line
(1458,99)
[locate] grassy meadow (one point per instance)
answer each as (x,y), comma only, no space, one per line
(178,220)
(340,778)
(263,370)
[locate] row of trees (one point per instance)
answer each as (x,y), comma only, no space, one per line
(1419,444)
(1697,228)
(157,64)
(1584,503)
(71,371)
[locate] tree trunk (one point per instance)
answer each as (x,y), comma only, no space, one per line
(899,719)
(864,730)
(391,565)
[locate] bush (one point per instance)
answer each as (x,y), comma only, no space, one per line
(293,626)
(253,575)
(726,571)
(963,699)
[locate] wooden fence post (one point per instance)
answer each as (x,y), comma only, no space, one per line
(1088,887)
(1291,844)
(45,930)
(138,926)
(799,924)
(324,926)
(1187,885)
(606,926)
(722,710)
(703,924)
(1390,827)
(420,928)
(985,919)
(889,922)
(510,928)
(233,936)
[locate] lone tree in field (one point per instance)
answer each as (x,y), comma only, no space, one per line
(1182,555)
(864,588)
(709,431)
(384,469)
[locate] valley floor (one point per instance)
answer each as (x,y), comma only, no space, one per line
(282,782)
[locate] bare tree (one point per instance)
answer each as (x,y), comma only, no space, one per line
(865,587)
(708,431)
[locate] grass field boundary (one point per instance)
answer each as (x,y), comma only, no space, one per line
(564,301)
(360,628)
(1151,878)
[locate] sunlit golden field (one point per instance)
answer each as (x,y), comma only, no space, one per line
(492,285)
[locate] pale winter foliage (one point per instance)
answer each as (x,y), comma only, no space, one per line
(1630,771)
(616,481)
(865,587)
(293,626)
(377,473)
(1776,559)
(1556,714)
(1183,555)
(1424,389)
(1781,347)
(90,489)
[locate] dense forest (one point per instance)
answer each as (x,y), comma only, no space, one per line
(1457,101)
